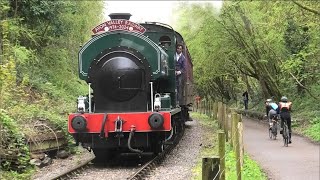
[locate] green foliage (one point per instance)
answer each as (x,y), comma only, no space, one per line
(205,120)
(247,46)
(38,64)
(13,175)
(212,74)
(13,140)
(296,38)
(314,129)
(250,171)
(267,48)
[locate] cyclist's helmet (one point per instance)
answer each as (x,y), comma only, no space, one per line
(269,100)
(284,99)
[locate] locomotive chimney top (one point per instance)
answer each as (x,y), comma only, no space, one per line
(120,16)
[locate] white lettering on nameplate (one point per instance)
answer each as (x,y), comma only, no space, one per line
(118,24)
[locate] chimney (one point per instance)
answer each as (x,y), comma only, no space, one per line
(120,16)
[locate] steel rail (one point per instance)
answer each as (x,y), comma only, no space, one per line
(71,172)
(151,165)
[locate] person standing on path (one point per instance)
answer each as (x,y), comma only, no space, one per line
(245,99)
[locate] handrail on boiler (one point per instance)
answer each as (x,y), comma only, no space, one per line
(151,89)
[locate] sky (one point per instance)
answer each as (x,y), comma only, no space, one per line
(142,11)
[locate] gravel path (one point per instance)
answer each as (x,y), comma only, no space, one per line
(298,161)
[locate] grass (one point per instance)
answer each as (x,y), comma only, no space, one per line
(314,130)
(251,170)
(14,175)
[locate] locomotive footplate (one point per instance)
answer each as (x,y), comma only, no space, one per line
(119,122)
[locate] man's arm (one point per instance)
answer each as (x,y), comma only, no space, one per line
(183,66)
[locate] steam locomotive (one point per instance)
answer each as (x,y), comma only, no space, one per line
(131,106)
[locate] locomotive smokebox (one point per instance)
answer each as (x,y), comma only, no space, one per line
(119,77)
(120,16)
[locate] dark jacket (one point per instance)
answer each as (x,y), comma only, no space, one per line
(245,96)
(180,64)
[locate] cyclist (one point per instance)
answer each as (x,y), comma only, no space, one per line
(268,107)
(273,112)
(284,110)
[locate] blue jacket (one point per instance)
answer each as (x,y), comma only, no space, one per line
(274,106)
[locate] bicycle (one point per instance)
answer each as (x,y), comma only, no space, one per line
(273,131)
(285,134)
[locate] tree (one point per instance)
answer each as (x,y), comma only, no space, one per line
(247,46)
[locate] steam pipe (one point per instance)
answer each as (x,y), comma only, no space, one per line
(89,87)
(129,141)
(171,134)
(151,89)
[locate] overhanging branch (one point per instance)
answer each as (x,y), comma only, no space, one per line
(306,8)
(301,85)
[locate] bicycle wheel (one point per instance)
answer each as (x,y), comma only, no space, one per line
(285,143)
(285,135)
(274,131)
(270,133)
(288,137)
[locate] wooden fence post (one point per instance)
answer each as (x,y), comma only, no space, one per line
(215,110)
(241,147)
(210,168)
(209,109)
(220,114)
(234,130)
(225,120)
(222,140)
(237,150)
(205,107)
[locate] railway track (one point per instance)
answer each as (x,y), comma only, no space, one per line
(141,173)
(148,167)
(68,174)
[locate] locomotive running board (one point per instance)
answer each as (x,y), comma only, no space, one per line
(175,111)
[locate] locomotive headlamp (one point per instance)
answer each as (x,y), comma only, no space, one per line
(156,120)
(79,123)
(157,102)
(81,104)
